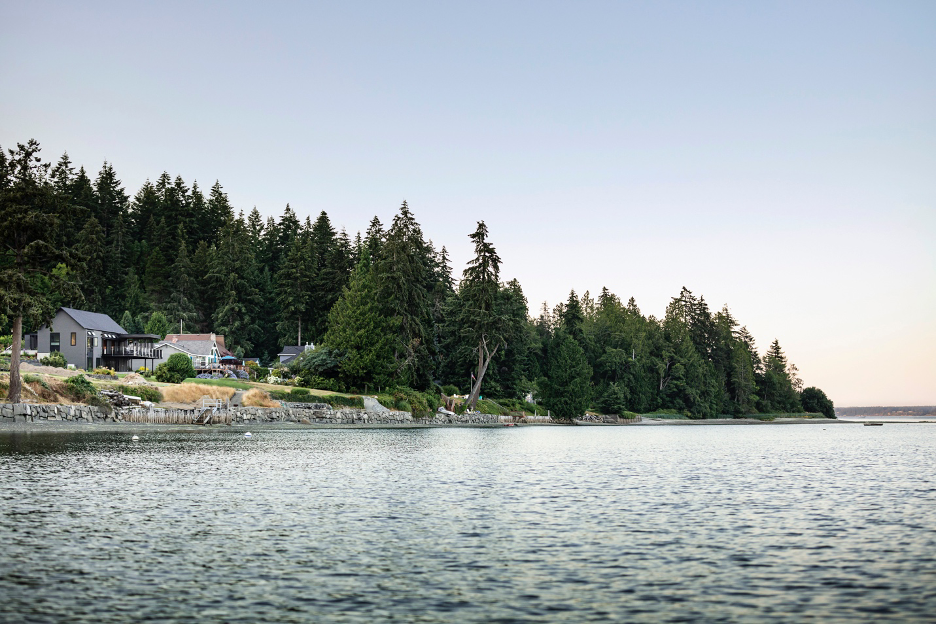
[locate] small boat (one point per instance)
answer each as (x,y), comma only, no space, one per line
(874,424)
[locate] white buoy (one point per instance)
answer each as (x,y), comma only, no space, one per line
(135,438)
(247,435)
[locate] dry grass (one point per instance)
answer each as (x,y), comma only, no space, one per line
(255,397)
(192,393)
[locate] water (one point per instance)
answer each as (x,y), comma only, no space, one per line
(559,524)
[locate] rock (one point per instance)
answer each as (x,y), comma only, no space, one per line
(306,421)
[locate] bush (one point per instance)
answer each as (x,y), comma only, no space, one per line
(103,370)
(54,359)
(176,369)
(320,383)
(80,387)
(299,391)
(449,389)
(147,393)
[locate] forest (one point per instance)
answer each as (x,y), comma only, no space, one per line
(383,307)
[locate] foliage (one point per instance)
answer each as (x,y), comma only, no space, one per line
(568,385)
(450,390)
(176,369)
(147,393)
(159,325)
(815,400)
(227,383)
(80,387)
(385,305)
(55,359)
(103,370)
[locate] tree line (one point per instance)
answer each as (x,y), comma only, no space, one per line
(383,308)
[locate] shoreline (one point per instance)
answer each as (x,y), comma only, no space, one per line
(67,427)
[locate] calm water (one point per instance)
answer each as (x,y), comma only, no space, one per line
(710,523)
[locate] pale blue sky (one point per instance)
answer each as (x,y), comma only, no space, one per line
(778,157)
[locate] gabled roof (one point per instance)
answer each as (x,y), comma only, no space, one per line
(184,339)
(291,350)
(94,320)
(192,347)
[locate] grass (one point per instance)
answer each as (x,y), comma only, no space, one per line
(666,415)
(305,395)
(190,393)
(255,397)
(225,383)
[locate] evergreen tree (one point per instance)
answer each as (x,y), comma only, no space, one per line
(29,255)
(568,383)
(292,293)
(129,325)
(402,275)
(158,324)
(815,400)
(111,198)
(135,300)
(91,249)
(360,331)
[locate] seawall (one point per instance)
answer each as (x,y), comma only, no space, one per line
(312,413)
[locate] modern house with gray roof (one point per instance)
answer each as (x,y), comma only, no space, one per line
(90,339)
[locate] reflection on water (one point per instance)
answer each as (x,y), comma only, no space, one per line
(739,523)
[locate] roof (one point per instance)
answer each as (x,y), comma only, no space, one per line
(291,350)
(94,320)
(190,338)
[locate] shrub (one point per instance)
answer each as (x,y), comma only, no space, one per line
(449,389)
(177,368)
(27,378)
(299,391)
(103,370)
(54,359)
(80,387)
(320,383)
(147,393)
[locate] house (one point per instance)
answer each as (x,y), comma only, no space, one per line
(206,351)
(90,339)
(289,353)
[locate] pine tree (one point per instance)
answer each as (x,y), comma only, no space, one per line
(481,323)
(292,293)
(29,253)
(135,300)
(111,197)
(568,383)
(90,249)
(158,324)
(402,276)
(359,330)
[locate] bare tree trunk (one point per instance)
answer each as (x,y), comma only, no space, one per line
(300,331)
(16,384)
(484,360)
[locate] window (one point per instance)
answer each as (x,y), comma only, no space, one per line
(74,339)
(54,343)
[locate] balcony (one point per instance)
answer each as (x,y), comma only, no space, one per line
(133,352)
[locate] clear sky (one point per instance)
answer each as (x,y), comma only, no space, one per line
(779,157)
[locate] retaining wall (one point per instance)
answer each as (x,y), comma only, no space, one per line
(317,413)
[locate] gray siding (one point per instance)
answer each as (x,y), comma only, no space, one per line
(64,325)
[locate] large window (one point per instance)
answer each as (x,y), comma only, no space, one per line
(74,339)
(54,343)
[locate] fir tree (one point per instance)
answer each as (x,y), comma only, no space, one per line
(91,250)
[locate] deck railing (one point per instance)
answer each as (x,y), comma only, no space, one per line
(133,352)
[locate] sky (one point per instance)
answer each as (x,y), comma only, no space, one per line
(777,157)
